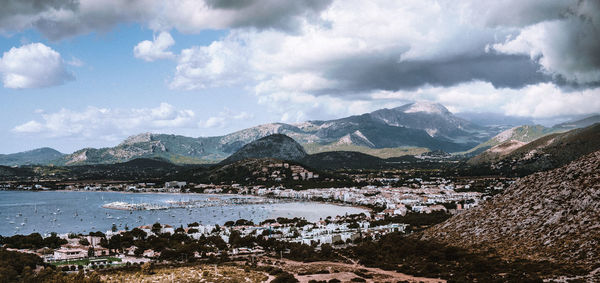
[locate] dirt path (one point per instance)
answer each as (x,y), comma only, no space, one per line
(305,272)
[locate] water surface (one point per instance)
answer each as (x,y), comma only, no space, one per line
(81,212)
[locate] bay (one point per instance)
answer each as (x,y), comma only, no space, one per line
(24,212)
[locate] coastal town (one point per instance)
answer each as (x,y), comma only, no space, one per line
(426,197)
(109,248)
(386,205)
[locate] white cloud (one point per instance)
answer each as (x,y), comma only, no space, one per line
(29,127)
(566,46)
(75,62)
(388,45)
(63,18)
(548,100)
(221,63)
(411,50)
(215,121)
(549,43)
(538,101)
(33,65)
(156,49)
(306,59)
(223,118)
(94,122)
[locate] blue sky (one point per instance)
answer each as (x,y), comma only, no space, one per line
(110,77)
(89,73)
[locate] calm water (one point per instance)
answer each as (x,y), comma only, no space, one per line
(82,212)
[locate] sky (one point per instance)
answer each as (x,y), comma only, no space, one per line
(89,73)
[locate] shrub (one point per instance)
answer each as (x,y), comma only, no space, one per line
(285,277)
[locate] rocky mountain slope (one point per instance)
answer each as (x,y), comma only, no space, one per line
(552,215)
(582,123)
(416,125)
(275,146)
(175,148)
(545,153)
(523,134)
(434,118)
(527,133)
(506,142)
(37,156)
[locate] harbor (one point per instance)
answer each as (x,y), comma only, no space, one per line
(84,212)
(191,203)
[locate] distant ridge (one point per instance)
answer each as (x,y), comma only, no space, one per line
(585,122)
(42,155)
(410,129)
(413,127)
(548,152)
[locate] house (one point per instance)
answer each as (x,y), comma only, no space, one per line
(67,253)
(151,253)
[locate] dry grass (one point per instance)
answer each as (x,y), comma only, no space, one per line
(192,274)
(344,272)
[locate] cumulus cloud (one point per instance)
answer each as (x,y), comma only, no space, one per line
(410,43)
(58,19)
(392,45)
(566,47)
(218,64)
(223,118)
(388,46)
(541,100)
(94,122)
(33,65)
(156,49)
(312,57)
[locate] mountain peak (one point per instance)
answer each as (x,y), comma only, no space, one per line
(424,106)
(143,137)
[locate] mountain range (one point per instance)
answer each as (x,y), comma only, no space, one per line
(410,129)
(420,126)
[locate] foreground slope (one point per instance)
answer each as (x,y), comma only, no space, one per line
(552,215)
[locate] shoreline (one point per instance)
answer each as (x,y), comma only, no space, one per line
(281,207)
(368,209)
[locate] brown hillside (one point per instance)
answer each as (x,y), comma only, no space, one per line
(553,215)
